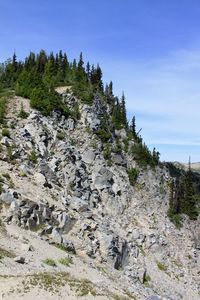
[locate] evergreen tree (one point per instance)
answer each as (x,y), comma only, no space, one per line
(189,200)
(14,63)
(96,79)
(88,71)
(41,61)
(123,111)
(110,88)
(116,114)
(50,71)
(30,62)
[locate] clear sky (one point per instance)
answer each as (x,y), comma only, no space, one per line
(149,48)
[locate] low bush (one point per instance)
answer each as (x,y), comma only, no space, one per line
(49,262)
(6,132)
(66,261)
(133,175)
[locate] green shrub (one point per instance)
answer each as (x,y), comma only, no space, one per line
(60,135)
(46,101)
(1,188)
(118,147)
(103,135)
(65,248)
(66,261)
(22,113)
(175,218)
(49,262)
(6,132)
(143,155)
(2,109)
(76,112)
(6,175)
(132,175)
(107,152)
(84,92)
(161,266)
(126,145)
(22,174)
(147,279)
(9,150)
(33,157)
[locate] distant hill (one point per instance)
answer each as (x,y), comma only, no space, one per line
(194,166)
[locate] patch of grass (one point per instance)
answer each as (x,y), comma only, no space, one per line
(178,263)
(66,261)
(47,281)
(22,174)
(22,113)
(6,175)
(93,145)
(6,253)
(88,130)
(130,295)
(9,150)
(38,227)
(64,248)
(49,262)
(33,157)
(161,266)
(6,93)
(52,282)
(84,287)
(117,297)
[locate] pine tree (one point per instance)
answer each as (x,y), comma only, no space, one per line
(30,62)
(116,114)
(41,61)
(14,63)
(50,71)
(88,71)
(123,111)
(110,88)
(133,128)
(189,202)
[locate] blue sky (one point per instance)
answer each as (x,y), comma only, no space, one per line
(150,49)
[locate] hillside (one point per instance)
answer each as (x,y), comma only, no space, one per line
(85,204)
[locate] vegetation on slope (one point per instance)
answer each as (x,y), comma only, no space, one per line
(184,194)
(36,78)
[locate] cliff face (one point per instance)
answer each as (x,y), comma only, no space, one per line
(65,197)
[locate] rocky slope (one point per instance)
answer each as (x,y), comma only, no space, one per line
(72,225)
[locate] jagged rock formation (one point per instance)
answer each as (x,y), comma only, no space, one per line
(59,190)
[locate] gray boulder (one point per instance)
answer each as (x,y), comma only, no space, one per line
(88,156)
(7,198)
(56,236)
(104,179)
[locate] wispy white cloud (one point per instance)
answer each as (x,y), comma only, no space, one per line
(166,90)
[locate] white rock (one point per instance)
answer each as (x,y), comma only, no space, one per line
(39,178)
